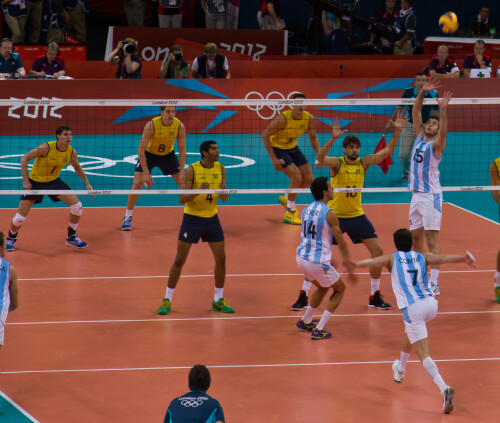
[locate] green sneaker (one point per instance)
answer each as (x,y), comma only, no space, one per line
(166,306)
(497,293)
(292,218)
(221,305)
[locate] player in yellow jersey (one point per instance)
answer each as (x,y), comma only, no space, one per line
(50,158)
(156,149)
(349,172)
(201,221)
(495,180)
(280,140)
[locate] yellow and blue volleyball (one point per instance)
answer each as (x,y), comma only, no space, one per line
(448,22)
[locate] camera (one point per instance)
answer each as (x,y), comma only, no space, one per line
(178,57)
(128,48)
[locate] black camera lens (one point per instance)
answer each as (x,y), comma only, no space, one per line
(129,48)
(178,56)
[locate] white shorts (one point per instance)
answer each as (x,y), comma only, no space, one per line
(426,210)
(324,274)
(417,315)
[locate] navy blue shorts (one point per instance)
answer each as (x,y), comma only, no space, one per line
(193,228)
(168,164)
(294,155)
(357,228)
(55,184)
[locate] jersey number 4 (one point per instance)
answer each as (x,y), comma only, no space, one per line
(311,229)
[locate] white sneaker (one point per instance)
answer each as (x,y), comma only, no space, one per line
(448,395)
(435,288)
(398,376)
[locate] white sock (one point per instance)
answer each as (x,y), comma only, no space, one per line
(434,276)
(219,293)
(306,286)
(73,226)
(375,283)
(290,205)
(170,292)
(431,368)
(403,359)
(309,314)
(326,316)
(129,213)
(497,274)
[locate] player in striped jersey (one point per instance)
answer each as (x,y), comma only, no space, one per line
(427,198)
(314,255)
(8,288)
(415,298)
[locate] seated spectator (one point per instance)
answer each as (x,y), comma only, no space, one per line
(388,17)
(211,64)
(174,66)
(125,56)
(481,25)
(406,25)
(269,15)
(170,13)
(442,65)
(51,63)
(477,60)
(215,13)
(16,15)
(10,62)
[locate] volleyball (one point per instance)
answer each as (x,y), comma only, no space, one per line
(448,22)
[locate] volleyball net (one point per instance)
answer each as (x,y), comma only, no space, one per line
(107,132)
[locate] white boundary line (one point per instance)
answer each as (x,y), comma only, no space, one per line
(18,407)
(471,212)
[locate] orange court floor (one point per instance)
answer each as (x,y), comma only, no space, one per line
(86,344)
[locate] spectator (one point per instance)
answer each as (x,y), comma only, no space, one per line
(215,13)
(51,63)
(54,20)
(442,65)
(406,24)
(481,25)
(76,24)
(125,56)
(196,405)
(34,19)
(388,17)
(211,64)
(268,15)
(329,22)
(174,66)
(10,62)
(477,60)
(15,14)
(170,13)
(135,11)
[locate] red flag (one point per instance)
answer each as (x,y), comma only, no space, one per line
(384,164)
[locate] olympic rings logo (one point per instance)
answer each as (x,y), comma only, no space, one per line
(273,95)
(192,402)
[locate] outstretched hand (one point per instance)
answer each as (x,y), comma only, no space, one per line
(433,84)
(401,119)
(443,102)
(469,259)
(337,130)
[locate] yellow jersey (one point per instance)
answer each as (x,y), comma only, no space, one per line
(348,204)
(48,168)
(286,139)
(497,162)
(163,139)
(205,205)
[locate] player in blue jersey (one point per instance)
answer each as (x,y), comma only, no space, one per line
(195,406)
(8,288)
(410,283)
(423,179)
(314,256)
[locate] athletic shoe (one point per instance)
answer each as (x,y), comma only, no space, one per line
(301,325)
(127,223)
(320,334)
(292,218)
(435,288)
(10,243)
(166,306)
(448,395)
(283,201)
(497,288)
(302,301)
(74,241)
(398,376)
(377,301)
(221,305)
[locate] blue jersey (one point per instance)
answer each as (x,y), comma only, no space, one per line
(410,281)
(424,168)
(4,289)
(317,235)
(194,407)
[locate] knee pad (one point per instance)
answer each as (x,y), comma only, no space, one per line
(77,209)
(18,219)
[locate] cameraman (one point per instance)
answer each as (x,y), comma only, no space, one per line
(174,66)
(125,56)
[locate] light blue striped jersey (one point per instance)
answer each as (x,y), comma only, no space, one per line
(316,239)
(424,168)
(410,281)
(4,289)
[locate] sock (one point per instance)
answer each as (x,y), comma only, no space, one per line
(306,286)
(497,276)
(290,205)
(403,359)
(434,276)
(309,314)
(71,231)
(129,213)
(73,226)
(14,234)
(219,293)
(326,316)
(170,292)
(431,368)
(375,285)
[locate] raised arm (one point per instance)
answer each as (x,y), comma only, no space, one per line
(495,180)
(382,261)
(113,57)
(321,156)
(440,142)
(417,106)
